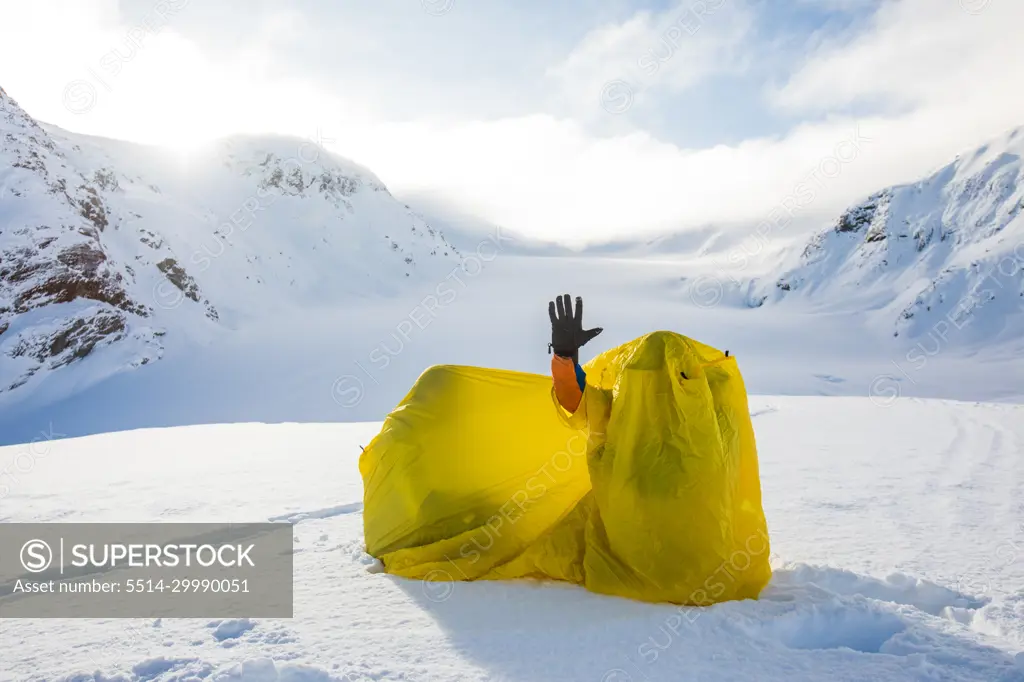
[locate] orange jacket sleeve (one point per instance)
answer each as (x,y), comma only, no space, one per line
(567,388)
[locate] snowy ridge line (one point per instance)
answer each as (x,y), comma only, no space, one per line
(166,294)
(114,254)
(923,256)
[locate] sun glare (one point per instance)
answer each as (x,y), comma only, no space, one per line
(187,148)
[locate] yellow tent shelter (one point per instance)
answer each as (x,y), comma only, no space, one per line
(650,490)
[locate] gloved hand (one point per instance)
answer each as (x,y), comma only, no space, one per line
(567,333)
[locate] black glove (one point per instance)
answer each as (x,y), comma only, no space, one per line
(567,333)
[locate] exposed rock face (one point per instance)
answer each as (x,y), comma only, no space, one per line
(73,340)
(113,249)
(51,253)
(76,272)
(865,215)
(185,283)
(179,278)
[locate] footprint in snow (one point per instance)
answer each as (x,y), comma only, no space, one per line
(184,668)
(838,626)
(230,629)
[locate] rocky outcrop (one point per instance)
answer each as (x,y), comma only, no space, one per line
(52,252)
(72,340)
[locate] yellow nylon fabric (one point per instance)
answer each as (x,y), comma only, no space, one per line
(650,490)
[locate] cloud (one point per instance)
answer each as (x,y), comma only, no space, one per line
(648,53)
(914,53)
(546,176)
(923,82)
(841,5)
(497,110)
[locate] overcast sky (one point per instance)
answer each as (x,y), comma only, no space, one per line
(575,120)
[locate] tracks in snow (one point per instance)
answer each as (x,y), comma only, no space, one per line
(324,513)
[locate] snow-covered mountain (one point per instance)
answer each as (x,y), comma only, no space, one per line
(117,250)
(944,252)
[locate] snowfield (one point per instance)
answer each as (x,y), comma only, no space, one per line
(897,539)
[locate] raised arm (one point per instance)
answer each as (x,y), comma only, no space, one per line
(567,337)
